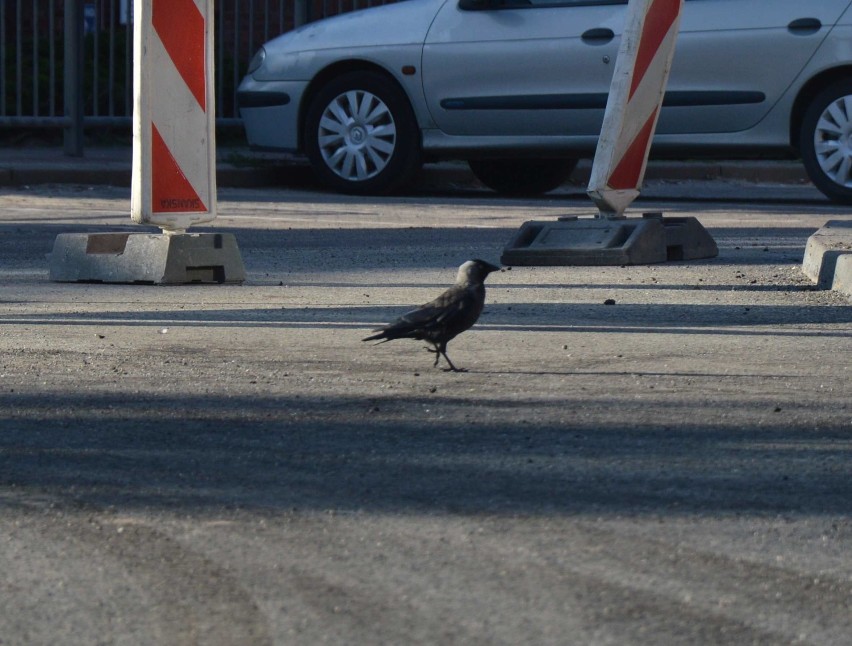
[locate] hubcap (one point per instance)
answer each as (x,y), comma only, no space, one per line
(357,135)
(833,141)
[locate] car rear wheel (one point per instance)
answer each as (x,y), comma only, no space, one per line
(826,141)
(522,176)
(361,135)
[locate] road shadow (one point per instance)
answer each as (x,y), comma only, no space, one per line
(199,454)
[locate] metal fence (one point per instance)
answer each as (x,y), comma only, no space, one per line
(69,63)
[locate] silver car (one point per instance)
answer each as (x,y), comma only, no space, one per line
(518,89)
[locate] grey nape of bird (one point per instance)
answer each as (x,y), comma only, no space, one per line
(441,320)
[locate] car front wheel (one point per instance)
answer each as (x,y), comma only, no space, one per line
(826,141)
(522,176)
(361,135)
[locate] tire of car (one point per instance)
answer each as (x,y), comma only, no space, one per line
(825,141)
(361,135)
(522,177)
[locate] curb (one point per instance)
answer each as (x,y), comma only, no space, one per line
(110,176)
(245,168)
(843,275)
(757,172)
(828,257)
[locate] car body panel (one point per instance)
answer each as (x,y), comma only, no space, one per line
(374,33)
(741,59)
(272,126)
(559,83)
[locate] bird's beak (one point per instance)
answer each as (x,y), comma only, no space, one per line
(489,267)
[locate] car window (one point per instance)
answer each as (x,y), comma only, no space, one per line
(480,5)
(571,3)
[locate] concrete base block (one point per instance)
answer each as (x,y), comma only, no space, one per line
(823,250)
(143,258)
(597,241)
(843,275)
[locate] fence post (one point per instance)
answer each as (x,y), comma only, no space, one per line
(73,101)
(300,12)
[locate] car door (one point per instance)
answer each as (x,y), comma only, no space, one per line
(735,58)
(521,67)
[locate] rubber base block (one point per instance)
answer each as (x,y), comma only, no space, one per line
(599,241)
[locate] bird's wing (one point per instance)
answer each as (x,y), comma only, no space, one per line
(439,311)
(418,323)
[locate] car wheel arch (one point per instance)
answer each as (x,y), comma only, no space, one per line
(806,94)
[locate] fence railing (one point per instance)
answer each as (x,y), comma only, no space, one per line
(69,63)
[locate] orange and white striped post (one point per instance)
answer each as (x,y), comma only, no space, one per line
(174,151)
(636,95)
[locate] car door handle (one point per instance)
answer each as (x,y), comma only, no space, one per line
(599,36)
(804,26)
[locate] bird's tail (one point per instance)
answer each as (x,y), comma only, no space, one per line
(380,335)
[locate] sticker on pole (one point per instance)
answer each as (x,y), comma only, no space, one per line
(174,165)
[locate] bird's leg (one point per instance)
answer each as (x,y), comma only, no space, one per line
(443,351)
(437,352)
(452,368)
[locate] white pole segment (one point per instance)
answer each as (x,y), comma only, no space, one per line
(174,149)
(633,107)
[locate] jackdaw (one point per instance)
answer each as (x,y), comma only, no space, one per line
(441,320)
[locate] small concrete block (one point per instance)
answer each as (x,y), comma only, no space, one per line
(824,248)
(600,241)
(843,275)
(152,259)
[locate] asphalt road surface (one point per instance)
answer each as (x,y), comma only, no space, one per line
(231,465)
